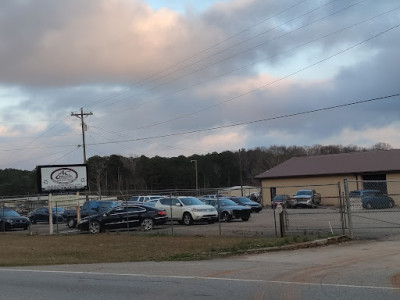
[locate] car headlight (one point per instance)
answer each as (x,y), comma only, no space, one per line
(9,220)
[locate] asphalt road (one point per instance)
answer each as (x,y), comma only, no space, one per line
(362,269)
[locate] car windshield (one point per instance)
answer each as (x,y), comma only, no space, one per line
(191,201)
(371,193)
(301,193)
(58,210)
(244,200)
(354,194)
(227,202)
(9,213)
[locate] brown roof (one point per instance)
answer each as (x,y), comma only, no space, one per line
(334,164)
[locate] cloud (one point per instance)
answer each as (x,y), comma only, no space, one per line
(147,71)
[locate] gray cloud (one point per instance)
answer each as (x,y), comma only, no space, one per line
(238,61)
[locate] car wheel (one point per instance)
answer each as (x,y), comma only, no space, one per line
(245,219)
(94,227)
(368,205)
(147,224)
(226,217)
(187,219)
(71,223)
(33,221)
(391,204)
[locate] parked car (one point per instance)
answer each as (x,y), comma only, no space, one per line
(211,196)
(41,215)
(88,208)
(186,210)
(372,199)
(229,210)
(146,198)
(255,207)
(10,219)
(123,217)
(306,198)
(283,200)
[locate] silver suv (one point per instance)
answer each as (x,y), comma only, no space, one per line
(186,210)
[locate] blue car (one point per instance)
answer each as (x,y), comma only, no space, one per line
(10,219)
(255,207)
(376,199)
(228,210)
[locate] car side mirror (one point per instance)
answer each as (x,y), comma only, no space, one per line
(178,204)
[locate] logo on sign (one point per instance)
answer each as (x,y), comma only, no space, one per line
(64,176)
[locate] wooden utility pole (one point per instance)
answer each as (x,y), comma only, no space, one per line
(81,115)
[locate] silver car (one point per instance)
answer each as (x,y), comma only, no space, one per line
(187,210)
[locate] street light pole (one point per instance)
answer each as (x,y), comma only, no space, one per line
(197,178)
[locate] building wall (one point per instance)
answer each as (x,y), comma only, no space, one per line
(327,186)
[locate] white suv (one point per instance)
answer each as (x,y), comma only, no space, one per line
(185,210)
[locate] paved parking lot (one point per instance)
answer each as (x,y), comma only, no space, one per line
(259,224)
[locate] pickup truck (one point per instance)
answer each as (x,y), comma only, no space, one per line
(87,209)
(306,198)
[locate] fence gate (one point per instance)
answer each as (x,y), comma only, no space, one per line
(373,208)
(326,217)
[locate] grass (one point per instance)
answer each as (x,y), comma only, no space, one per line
(26,250)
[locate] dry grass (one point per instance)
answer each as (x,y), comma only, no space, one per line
(24,250)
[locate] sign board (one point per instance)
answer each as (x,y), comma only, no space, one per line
(61,178)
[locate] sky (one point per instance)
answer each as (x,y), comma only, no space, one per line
(170,78)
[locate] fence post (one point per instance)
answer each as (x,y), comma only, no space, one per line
(3,226)
(341,210)
(50,213)
(348,208)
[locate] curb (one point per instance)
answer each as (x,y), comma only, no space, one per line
(310,244)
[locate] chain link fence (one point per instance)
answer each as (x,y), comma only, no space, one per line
(37,209)
(311,209)
(373,208)
(359,209)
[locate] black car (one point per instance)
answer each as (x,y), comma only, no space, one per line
(228,209)
(41,215)
(255,207)
(123,217)
(10,219)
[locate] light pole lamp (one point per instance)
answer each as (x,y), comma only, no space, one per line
(197,178)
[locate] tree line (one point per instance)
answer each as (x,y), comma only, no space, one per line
(214,170)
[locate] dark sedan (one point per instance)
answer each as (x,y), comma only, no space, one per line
(255,207)
(376,200)
(10,219)
(124,217)
(41,215)
(228,210)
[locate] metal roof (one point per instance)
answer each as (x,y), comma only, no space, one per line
(346,163)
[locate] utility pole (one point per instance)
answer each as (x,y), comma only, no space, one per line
(241,173)
(81,115)
(197,174)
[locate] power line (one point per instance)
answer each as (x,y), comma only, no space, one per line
(284,77)
(228,126)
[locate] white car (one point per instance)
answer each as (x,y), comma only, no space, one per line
(146,198)
(186,210)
